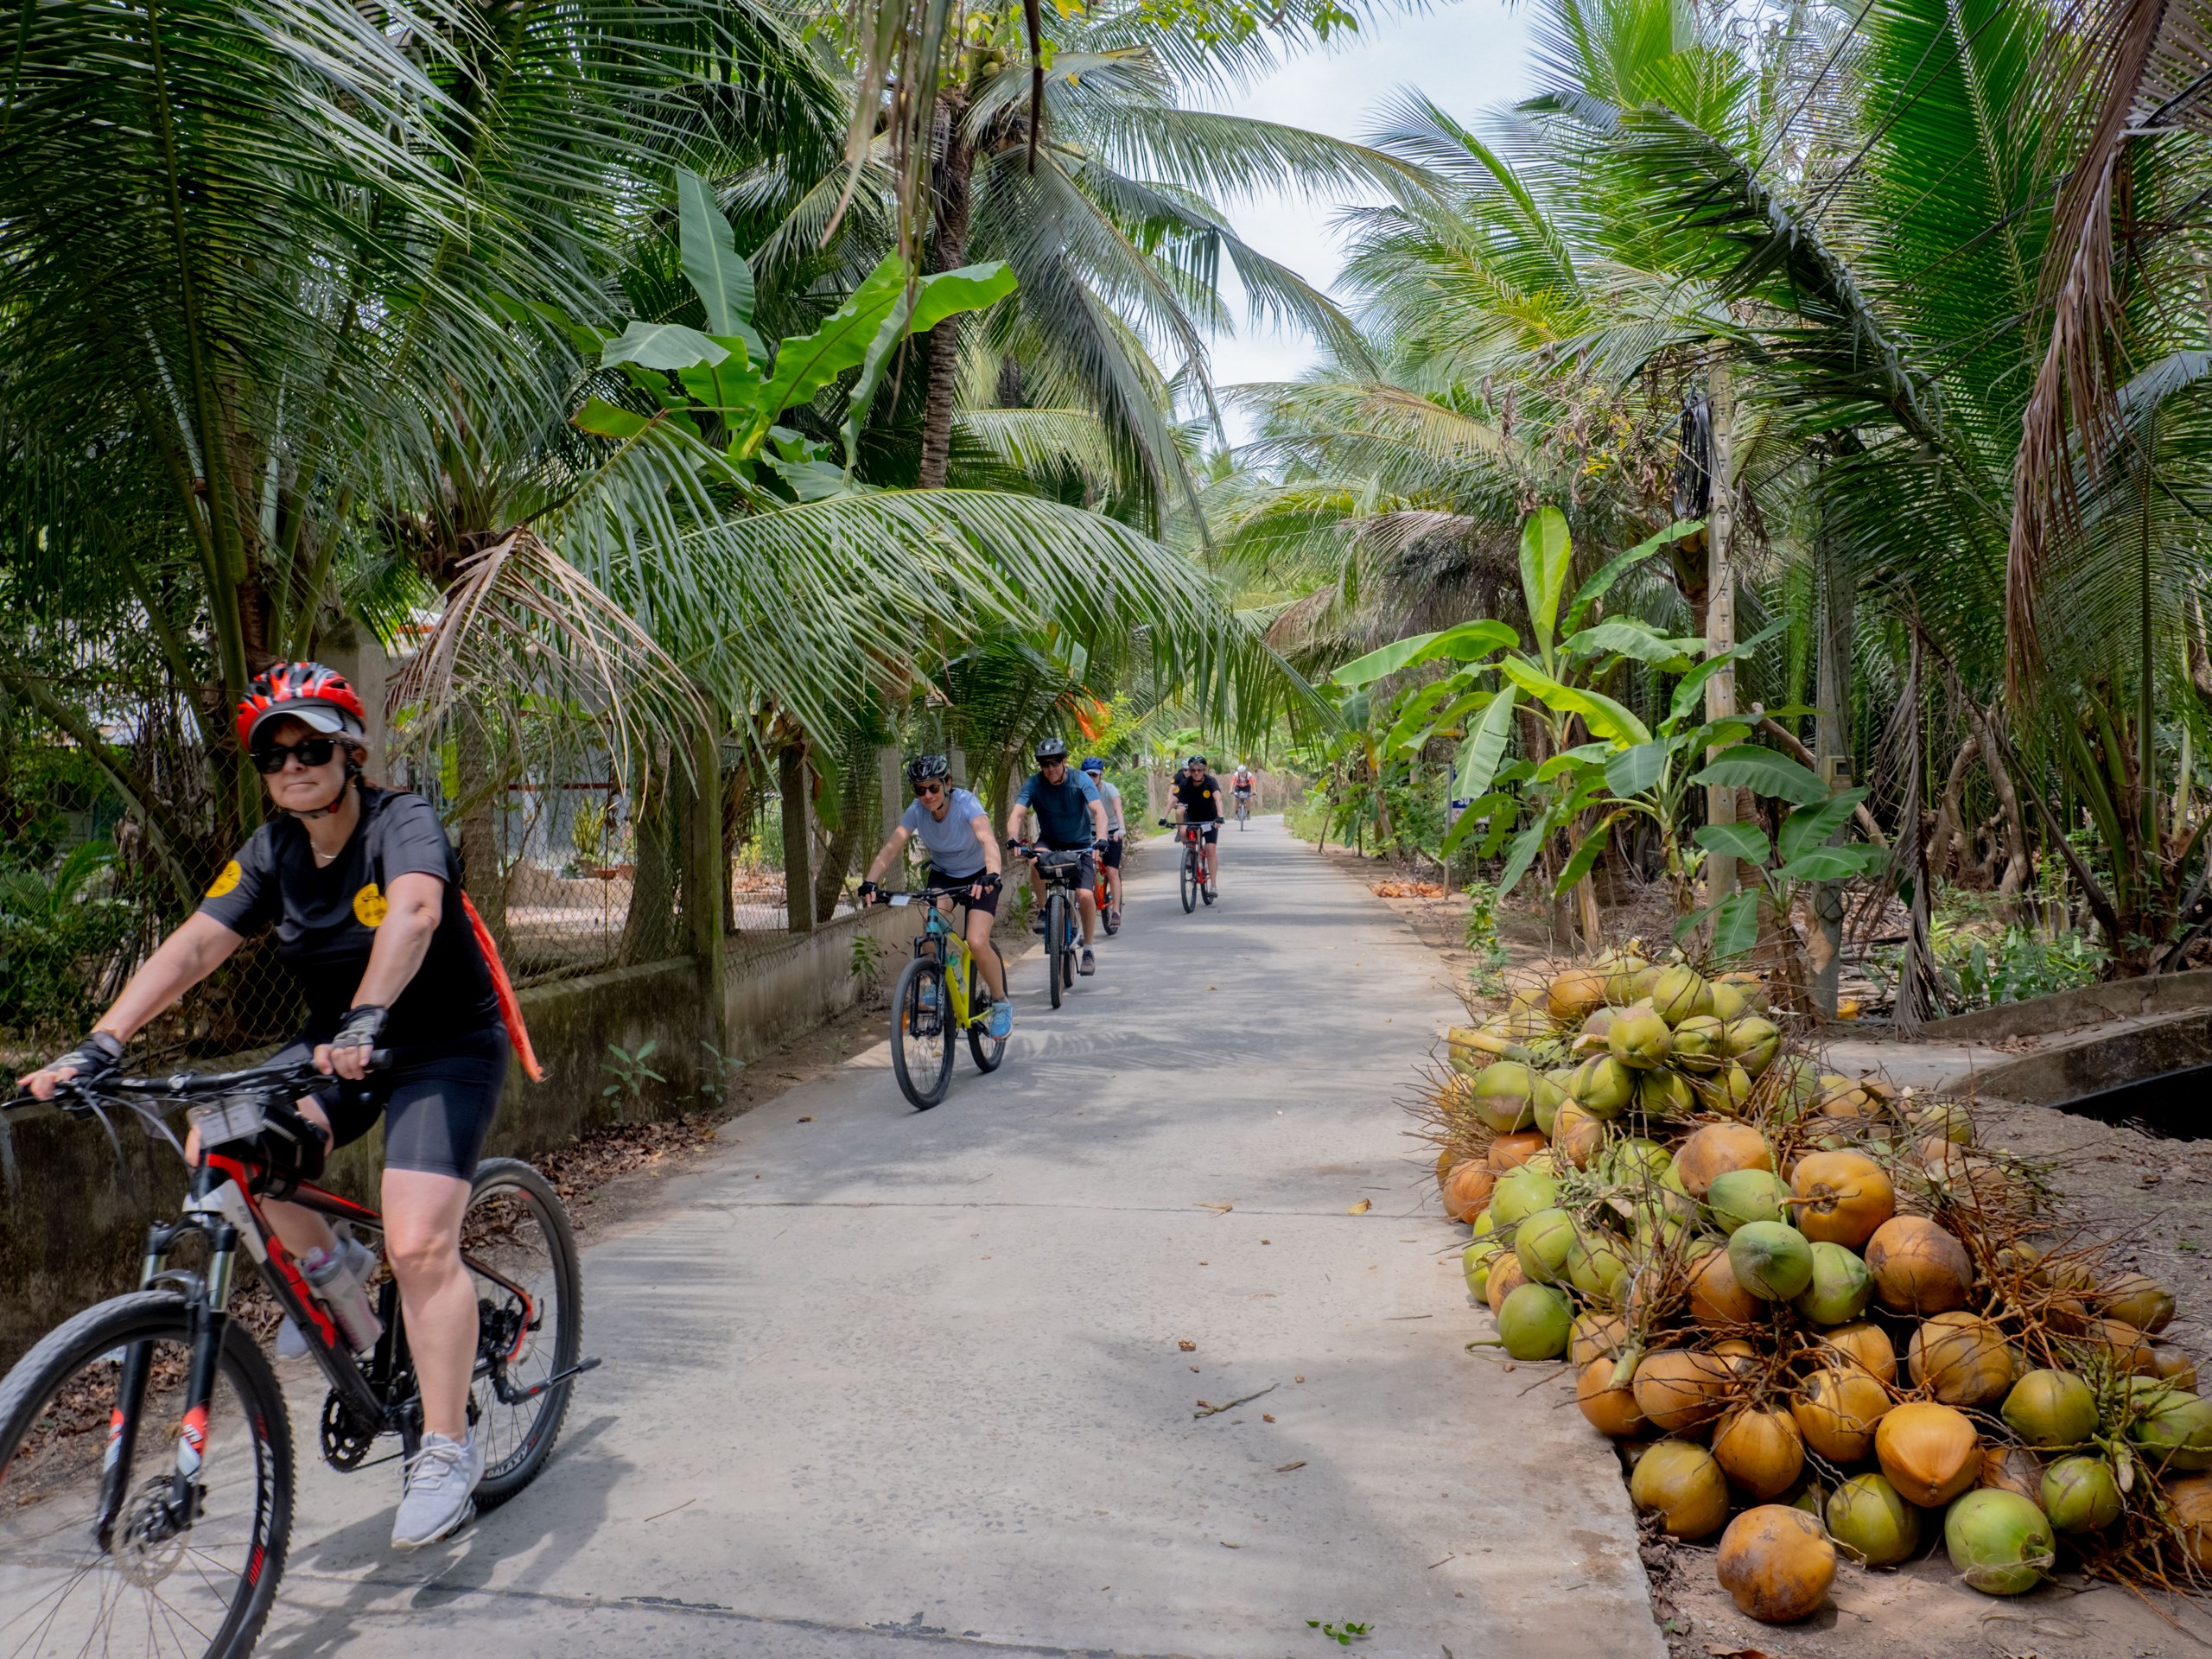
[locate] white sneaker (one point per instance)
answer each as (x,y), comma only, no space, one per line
(435,1498)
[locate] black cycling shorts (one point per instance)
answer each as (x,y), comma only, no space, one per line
(989,904)
(1111,858)
(437,1103)
(1209,830)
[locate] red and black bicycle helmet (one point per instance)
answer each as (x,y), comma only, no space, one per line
(318,697)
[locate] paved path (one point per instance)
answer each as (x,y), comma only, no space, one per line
(887,1384)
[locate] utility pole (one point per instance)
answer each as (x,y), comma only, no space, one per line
(1720,609)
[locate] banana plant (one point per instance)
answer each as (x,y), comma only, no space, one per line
(722,389)
(1560,780)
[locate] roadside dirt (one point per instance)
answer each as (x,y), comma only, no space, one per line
(2153,1197)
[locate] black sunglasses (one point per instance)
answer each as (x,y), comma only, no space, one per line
(929,789)
(269,758)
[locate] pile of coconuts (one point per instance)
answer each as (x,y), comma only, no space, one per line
(1810,1302)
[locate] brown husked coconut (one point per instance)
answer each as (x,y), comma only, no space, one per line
(1838,1410)
(2014,1469)
(1919,1268)
(1776,1563)
(1577,1134)
(1506,1276)
(2174,1367)
(2126,1348)
(1609,1410)
(1595,1336)
(1929,1452)
(1575,993)
(2189,1508)
(1679,1482)
(1681,1389)
(1759,1449)
(1467,1190)
(1511,1151)
(1843,1198)
(1715,1298)
(1864,1345)
(1716,1150)
(1961,1358)
(2137,1300)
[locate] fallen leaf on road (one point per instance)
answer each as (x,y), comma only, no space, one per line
(1266,1417)
(1361,1208)
(1737,1653)
(806,1120)
(1285,1469)
(1226,1544)
(1205,1410)
(1298,1379)
(1218,1209)
(1188,1347)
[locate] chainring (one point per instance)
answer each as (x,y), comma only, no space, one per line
(346,1440)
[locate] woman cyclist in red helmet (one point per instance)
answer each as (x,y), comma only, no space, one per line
(365,893)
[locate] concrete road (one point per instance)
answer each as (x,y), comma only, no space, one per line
(889,1384)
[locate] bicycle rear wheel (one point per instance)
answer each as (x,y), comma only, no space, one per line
(921,1034)
(202,1588)
(515,1236)
(1109,918)
(1191,882)
(1056,941)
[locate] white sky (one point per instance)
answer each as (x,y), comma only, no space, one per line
(1467,55)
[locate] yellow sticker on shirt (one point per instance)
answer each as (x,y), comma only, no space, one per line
(368,906)
(229,877)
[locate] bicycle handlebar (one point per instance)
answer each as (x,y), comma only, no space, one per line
(191,1085)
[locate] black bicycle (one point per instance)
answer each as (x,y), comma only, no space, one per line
(1192,874)
(1059,872)
(146,1460)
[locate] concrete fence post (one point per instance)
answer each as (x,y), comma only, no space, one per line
(891,804)
(793,781)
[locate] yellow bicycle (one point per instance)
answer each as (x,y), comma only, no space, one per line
(933,1005)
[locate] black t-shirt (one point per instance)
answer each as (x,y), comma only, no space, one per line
(1201,802)
(326,919)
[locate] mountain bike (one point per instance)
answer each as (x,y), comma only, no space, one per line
(1110,909)
(1243,809)
(1058,871)
(931,1005)
(146,1457)
(1192,874)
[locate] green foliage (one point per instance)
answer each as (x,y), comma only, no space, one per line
(631,1073)
(1342,1634)
(867,956)
(61,925)
(717,1070)
(1481,938)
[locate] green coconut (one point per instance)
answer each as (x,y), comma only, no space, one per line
(2000,1543)
(1946,1119)
(1474,1265)
(1541,1241)
(1505,1095)
(1602,1087)
(1534,1321)
(1520,1193)
(1551,1095)
(1679,993)
(1701,1044)
(2051,1409)
(1598,1266)
(1800,1086)
(2137,1300)
(1744,1195)
(2081,1495)
(1771,1259)
(1841,1289)
(1636,1158)
(1640,1039)
(1867,1517)
(1729,1003)
(1665,1094)
(1726,1090)
(2174,1431)
(1753,1043)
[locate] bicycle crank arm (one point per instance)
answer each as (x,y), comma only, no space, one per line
(510,1398)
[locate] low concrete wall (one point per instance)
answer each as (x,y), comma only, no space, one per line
(2063,1071)
(70,1233)
(2040,1016)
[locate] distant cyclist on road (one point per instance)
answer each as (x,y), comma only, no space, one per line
(955,831)
(1117,829)
(1197,802)
(1241,782)
(1069,817)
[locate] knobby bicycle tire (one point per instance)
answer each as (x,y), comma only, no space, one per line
(988,1051)
(916,1022)
(58,1555)
(1190,877)
(1108,918)
(1056,941)
(501,1186)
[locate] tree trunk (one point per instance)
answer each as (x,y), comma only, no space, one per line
(837,861)
(1720,612)
(1952,845)
(953,176)
(2019,868)
(479,826)
(648,929)
(792,777)
(738,789)
(1831,752)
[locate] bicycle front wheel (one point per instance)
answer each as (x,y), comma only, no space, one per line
(921,1034)
(1191,883)
(521,1256)
(159,1581)
(1056,941)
